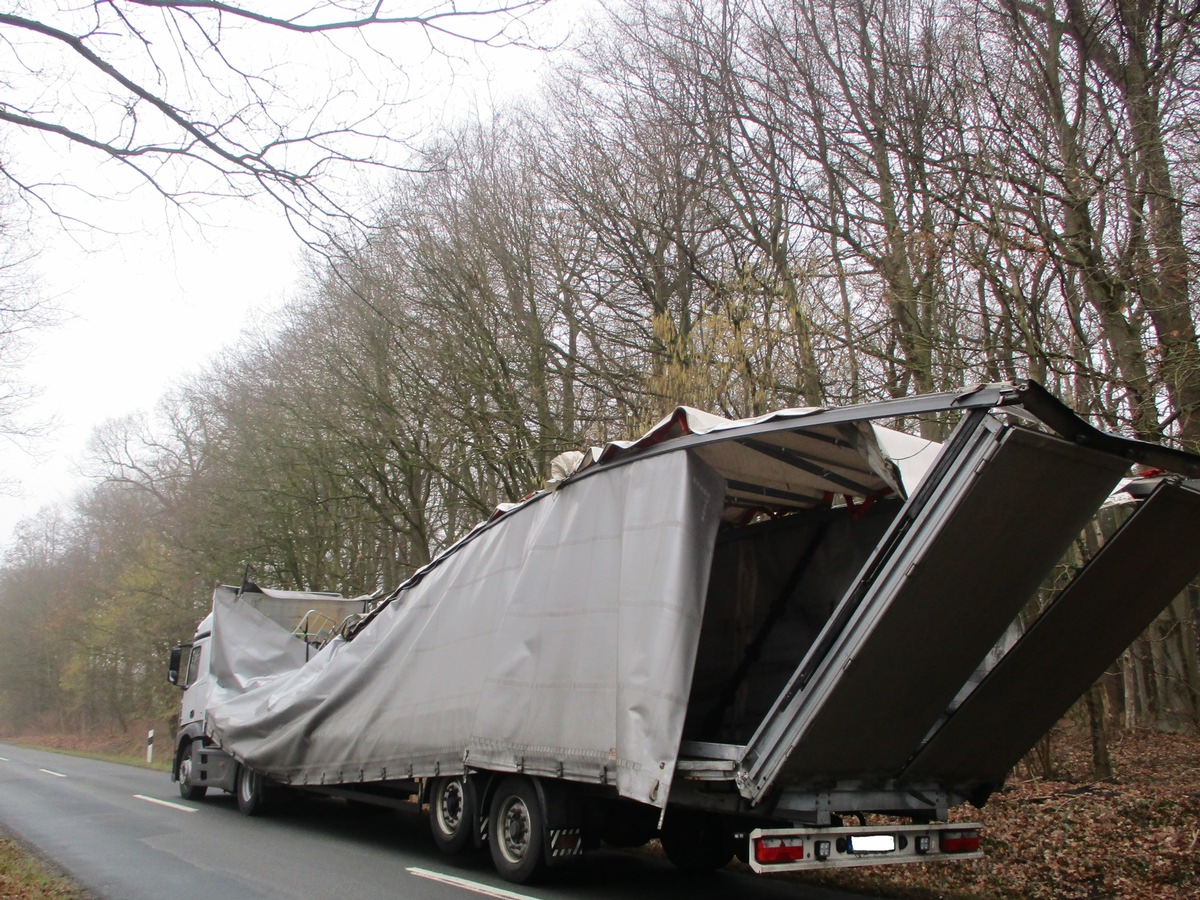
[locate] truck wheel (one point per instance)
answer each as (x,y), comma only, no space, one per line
(452,813)
(696,841)
(249,792)
(187,790)
(516,831)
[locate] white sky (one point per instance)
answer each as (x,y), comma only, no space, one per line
(158,300)
(138,313)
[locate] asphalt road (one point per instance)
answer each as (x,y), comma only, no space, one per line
(124,834)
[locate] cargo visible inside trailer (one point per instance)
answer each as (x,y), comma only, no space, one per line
(773,586)
(804,509)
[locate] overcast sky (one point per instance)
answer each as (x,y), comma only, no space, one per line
(137,313)
(155,298)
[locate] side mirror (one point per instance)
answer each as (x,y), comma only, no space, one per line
(173,665)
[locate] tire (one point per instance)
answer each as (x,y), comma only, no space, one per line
(453,814)
(697,842)
(187,790)
(516,831)
(249,790)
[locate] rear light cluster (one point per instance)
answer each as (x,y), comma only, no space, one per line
(772,851)
(959,841)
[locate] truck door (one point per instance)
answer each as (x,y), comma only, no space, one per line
(195,682)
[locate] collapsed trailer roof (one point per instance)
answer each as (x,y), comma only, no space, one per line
(775,470)
(561,637)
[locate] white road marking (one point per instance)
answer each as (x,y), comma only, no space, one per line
(55,774)
(3,759)
(474,886)
(166,803)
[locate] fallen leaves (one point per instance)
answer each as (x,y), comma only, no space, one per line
(1136,835)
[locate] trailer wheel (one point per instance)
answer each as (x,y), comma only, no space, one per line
(250,798)
(516,831)
(452,813)
(187,790)
(696,841)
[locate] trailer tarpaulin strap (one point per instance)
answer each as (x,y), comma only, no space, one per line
(562,642)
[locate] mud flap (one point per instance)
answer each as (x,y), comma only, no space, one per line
(564,820)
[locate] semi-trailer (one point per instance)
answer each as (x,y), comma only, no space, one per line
(735,636)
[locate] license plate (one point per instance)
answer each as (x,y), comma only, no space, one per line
(872,843)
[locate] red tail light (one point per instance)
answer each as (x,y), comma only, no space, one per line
(960,841)
(768,850)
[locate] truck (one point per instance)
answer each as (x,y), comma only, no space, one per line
(801,639)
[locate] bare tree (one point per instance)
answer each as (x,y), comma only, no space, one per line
(23,311)
(1091,107)
(680,67)
(200,98)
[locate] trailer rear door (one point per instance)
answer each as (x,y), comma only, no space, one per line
(942,588)
(1149,560)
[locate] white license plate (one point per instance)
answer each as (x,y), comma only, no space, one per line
(872,843)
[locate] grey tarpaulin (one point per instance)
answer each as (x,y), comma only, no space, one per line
(248,647)
(562,642)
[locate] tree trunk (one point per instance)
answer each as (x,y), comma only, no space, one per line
(1101,763)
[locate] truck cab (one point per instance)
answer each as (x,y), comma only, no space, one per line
(197,764)
(311,617)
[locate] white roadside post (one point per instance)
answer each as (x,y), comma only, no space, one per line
(150,747)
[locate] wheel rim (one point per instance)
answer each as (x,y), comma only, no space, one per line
(514,829)
(246,785)
(450,805)
(185,771)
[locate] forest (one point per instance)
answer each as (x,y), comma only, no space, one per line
(738,205)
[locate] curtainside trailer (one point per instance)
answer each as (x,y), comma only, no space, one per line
(736,636)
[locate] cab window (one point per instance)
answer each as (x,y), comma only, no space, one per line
(193,669)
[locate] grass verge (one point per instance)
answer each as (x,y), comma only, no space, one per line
(23,876)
